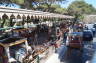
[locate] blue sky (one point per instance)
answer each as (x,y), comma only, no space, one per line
(93,2)
(15,6)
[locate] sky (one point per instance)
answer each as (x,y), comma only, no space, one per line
(15,6)
(65,5)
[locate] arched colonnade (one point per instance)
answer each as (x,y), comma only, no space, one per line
(9,13)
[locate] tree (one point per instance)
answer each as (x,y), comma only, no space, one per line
(29,4)
(61,10)
(54,8)
(79,8)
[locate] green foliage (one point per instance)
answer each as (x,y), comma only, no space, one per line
(18,1)
(54,8)
(30,3)
(42,5)
(79,8)
(60,10)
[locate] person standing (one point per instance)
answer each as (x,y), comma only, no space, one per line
(65,37)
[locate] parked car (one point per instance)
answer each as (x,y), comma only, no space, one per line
(75,40)
(87,35)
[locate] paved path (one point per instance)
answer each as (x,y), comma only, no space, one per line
(66,55)
(53,59)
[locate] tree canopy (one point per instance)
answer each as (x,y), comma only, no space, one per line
(30,3)
(54,8)
(79,8)
(76,8)
(42,5)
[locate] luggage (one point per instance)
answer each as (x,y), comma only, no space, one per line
(75,42)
